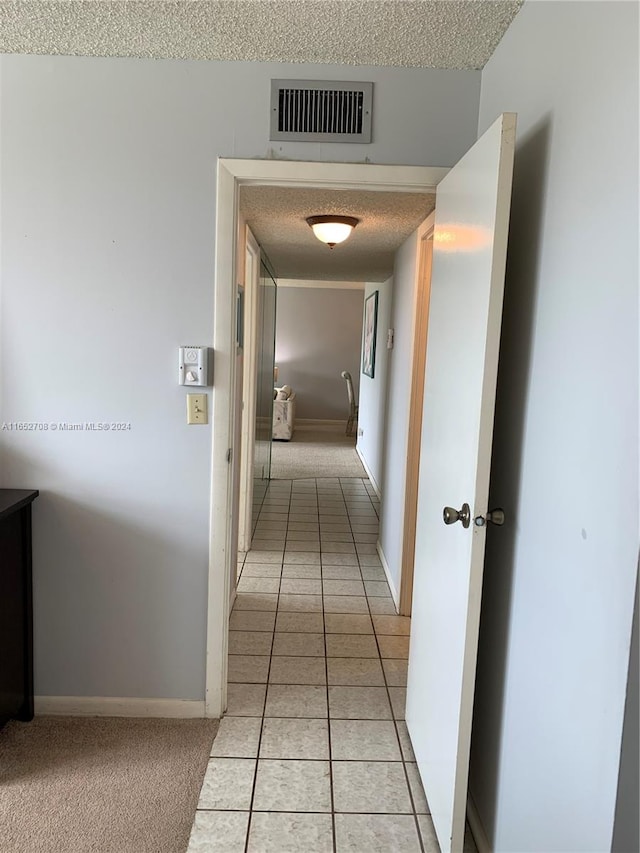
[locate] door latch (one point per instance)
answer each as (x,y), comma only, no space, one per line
(494,516)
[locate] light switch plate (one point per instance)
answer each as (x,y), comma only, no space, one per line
(197,410)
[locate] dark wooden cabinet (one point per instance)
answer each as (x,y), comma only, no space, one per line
(16,610)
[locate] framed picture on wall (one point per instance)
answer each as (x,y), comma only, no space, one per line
(369,335)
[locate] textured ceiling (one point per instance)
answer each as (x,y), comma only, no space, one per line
(277,215)
(412,33)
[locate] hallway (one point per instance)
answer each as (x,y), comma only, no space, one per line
(313,754)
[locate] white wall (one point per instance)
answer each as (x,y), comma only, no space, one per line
(398,398)
(372,413)
(108,198)
(318,335)
(560,576)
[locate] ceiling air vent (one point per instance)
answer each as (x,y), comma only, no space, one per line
(321,111)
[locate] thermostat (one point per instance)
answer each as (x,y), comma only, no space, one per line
(192,366)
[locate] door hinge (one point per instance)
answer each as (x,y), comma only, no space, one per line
(229,455)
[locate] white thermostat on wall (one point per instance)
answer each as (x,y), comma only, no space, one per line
(192,366)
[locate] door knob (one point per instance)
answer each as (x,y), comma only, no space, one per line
(451,515)
(494,516)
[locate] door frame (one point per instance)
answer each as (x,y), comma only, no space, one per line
(422,293)
(231,175)
(249,382)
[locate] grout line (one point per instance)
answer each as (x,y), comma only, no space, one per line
(316,760)
(264,708)
(326,671)
(303,811)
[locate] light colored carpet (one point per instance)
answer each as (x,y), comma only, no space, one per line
(101,785)
(315,453)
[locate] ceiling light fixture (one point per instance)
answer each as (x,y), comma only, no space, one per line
(332,229)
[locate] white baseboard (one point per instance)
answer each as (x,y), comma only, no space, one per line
(476,827)
(110,706)
(387,571)
(372,479)
(312,423)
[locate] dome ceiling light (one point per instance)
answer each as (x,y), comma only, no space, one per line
(332,229)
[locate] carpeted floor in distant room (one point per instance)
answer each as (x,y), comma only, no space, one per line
(101,785)
(315,453)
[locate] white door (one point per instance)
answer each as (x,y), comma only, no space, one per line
(467,283)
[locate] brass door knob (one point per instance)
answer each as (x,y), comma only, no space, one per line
(451,515)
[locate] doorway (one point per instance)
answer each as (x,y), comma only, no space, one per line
(232,174)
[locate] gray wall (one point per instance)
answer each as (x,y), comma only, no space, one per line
(398,398)
(373,390)
(108,198)
(318,335)
(560,576)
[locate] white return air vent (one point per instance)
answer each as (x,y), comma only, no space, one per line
(321,111)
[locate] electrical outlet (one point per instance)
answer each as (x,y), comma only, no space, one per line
(197,409)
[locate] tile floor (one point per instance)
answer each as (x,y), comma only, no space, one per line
(313,755)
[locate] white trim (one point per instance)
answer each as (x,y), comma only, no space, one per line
(372,479)
(321,284)
(290,173)
(231,174)
(476,827)
(118,706)
(319,423)
(222,556)
(387,571)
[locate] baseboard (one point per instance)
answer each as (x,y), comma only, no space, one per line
(476,827)
(372,479)
(387,571)
(312,423)
(111,706)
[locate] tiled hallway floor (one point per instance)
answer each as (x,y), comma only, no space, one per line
(313,754)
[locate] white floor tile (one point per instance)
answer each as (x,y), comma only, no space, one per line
(227,784)
(296,700)
(355,672)
(347,623)
(371,787)
(237,737)
(376,834)
(359,703)
(218,832)
(292,786)
(295,738)
(245,700)
(364,740)
(285,832)
(351,646)
(304,644)
(297,670)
